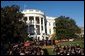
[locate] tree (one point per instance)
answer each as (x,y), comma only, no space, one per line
(13,26)
(65,27)
(25,19)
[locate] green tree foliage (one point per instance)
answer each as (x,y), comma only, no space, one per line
(66,28)
(13,24)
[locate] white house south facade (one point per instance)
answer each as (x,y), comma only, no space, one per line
(39,25)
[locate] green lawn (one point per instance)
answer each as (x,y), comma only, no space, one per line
(50,51)
(80,42)
(73,43)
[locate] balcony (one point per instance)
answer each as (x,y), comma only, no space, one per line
(31,22)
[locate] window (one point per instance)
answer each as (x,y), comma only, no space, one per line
(38,29)
(41,20)
(38,38)
(42,27)
(49,24)
(37,20)
(54,30)
(53,24)
(31,18)
(50,31)
(31,29)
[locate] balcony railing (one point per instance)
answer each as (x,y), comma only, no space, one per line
(31,22)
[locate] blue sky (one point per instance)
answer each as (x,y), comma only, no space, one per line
(72,9)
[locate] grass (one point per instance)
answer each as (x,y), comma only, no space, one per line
(81,43)
(73,43)
(50,51)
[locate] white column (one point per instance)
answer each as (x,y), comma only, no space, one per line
(47,28)
(40,25)
(43,25)
(34,27)
(52,28)
(40,28)
(34,22)
(28,18)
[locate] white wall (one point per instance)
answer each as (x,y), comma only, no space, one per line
(39,14)
(51,21)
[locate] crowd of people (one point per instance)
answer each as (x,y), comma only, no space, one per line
(68,50)
(20,49)
(35,48)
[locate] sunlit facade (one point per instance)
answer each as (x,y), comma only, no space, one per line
(39,25)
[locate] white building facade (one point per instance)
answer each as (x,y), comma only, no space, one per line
(39,25)
(50,25)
